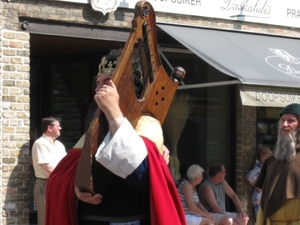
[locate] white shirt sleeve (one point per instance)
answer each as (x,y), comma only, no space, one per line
(122,153)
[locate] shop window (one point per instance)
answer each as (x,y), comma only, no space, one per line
(267,126)
(208,135)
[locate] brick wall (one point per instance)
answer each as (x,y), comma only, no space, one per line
(63,12)
(245,155)
(15,127)
(227,24)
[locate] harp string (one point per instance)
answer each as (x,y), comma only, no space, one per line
(143,69)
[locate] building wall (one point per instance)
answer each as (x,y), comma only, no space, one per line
(15,127)
(245,153)
(14,92)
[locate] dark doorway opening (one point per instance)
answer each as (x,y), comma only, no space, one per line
(62,70)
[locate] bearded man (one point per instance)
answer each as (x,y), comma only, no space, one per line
(279,178)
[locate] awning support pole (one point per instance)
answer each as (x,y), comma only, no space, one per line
(211,84)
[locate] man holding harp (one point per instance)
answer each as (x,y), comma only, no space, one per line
(130,175)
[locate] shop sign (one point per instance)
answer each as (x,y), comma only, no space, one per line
(283,13)
(255,96)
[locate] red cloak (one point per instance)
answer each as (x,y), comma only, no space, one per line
(165,204)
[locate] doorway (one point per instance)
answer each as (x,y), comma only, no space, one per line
(62,71)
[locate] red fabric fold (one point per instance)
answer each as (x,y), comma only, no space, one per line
(165,203)
(60,196)
(166,207)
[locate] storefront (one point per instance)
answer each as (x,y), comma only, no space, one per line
(236,67)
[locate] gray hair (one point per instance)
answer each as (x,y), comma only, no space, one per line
(194,171)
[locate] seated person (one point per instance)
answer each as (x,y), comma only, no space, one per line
(262,154)
(212,195)
(195,213)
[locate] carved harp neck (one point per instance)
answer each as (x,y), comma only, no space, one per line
(143,85)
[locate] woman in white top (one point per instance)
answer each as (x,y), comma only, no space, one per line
(195,213)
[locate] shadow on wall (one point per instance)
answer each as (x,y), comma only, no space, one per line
(18,185)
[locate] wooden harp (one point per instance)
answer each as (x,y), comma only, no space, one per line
(154,97)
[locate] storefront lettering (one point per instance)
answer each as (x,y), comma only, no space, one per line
(276,97)
(248,7)
(184,2)
(293,13)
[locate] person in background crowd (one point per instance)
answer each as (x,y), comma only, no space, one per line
(262,154)
(46,154)
(279,177)
(195,213)
(131,178)
(212,195)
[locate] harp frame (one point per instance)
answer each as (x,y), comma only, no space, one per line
(156,97)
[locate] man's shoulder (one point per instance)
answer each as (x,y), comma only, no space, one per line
(57,142)
(205,183)
(40,140)
(271,160)
(205,187)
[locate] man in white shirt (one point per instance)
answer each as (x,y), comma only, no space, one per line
(46,154)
